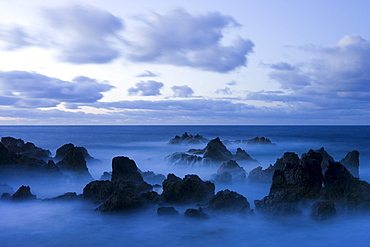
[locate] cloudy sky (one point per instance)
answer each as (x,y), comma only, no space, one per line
(184,62)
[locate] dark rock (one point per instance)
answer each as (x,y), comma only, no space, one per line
(188,139)
(74,161)
(6,157)
(191,189)
(120,201)
(229,201)
(52,167)
(98,190)
(167,211)
(258,175)
(259,140)
(216,152)
(125,169)
(29,149)
(5,197)
(150,197)
(23,194)
(183,159)
(230,171)
(69,196)
(242,155)
(63,150)
(326,158)
(196,213)
(323,210)
(352,163)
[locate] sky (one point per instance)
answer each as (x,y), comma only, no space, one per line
(240,62)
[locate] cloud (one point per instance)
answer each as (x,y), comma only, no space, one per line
(147,73)
(32,90)
(13,37)
(181,39)
(182,91)
(225,90)
(232,83)
(146,88)
(338,78)
(84,34)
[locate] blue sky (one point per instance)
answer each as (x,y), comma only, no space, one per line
(177,62)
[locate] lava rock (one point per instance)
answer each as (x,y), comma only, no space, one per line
(98,190)
(229,201)
(125,169)
(191,189)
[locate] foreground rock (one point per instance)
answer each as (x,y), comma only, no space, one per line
(191,189)
(298,185)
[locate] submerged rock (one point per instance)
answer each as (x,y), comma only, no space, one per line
(167,211)
(196,213)
(191,189)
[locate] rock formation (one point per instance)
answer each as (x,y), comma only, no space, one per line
(230,172)
(229,201)
(23,194)
(188,139)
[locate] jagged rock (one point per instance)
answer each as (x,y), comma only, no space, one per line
(125,169)
(242,155)
(121,200)
(191,189)
(23,194)
(352,163)
(63,150)
(188,139)
(229,201)
(167,211)
(98,190)
(230,171)
(52,167)
(259,140)
(29,149)
(258,175)
(150,197)
(326,158)
(216,152)
(196,213)
(323,210)
(183,159)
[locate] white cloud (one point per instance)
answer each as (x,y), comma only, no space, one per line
(13,38)
(182,91)
(225,90)
(147,73)
(146,88)
(179,38)
(30,89)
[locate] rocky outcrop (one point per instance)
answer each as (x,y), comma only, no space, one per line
(74,162)
(153,178)
(183,159)
(125,169)
(259,140)
(191,189)
(214,153)
(69,196)
(352,163)
(98,190)
(230,172)
(230,202)
(323,210)
(63,150)
(188,139)
(29,149)
(23,194)
(258,175)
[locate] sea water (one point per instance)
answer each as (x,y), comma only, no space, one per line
(78,224)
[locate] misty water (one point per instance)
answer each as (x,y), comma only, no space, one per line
(42,223)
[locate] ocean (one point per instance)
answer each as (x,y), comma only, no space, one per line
(78,224)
